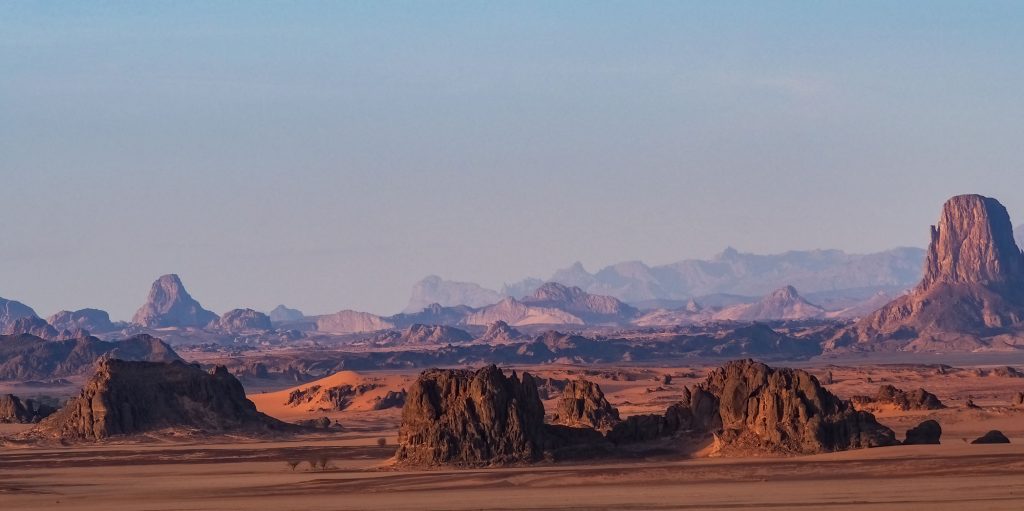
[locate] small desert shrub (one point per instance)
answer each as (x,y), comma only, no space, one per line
(293,464)
(382,441)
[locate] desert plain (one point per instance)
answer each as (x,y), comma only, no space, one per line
(352,468)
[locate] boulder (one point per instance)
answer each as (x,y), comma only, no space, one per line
(583,405)
(992,437)
(927,432)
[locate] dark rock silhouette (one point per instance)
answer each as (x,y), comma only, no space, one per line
(14,410)
(26,357)
(919,399)
(992,437)
(927,432)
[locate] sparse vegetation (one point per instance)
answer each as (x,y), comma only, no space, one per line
(293,464)
(382,441)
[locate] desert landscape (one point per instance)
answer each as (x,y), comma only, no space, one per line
(438,255)
(564,400)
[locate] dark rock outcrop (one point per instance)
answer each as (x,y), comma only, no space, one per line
(432,335)
(889,395)
(240,320)
(393,399)
(1018,399)
(972,289)
(127,398)
(750,407)
(927,432)
(169,305)
(282,314)
(92,320)
(26,357)
(584,405)
(464,417)
(15,411)
(992,437)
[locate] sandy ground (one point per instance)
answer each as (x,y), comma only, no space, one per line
(230,474)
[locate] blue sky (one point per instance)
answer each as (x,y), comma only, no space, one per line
(327,155)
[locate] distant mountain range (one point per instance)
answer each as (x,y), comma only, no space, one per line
(833,274)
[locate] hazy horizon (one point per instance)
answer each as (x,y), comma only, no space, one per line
(327,156)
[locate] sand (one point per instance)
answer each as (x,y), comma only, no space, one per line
(241,474)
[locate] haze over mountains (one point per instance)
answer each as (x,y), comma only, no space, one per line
(827,272)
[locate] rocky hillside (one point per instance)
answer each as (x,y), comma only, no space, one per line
(170,305)
(448,293)
(516,313)
(26,357)
(349,322)
(972,293)
(91,320)
(128,398)
(731,272)
(14,410)
(241,320)
(588,307)
(783,303)
(11,311)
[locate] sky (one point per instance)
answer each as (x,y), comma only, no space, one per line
(327,155)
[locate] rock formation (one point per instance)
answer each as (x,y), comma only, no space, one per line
(419,335)
(34,326)
(972,290)
(575,301)
(500,332)
(992,437)
(282,314)
(26,357)
(11,311)
(583,405)
(890,396)
(240,320)
(15,411)
(169,305)
(351,322)
(752,408)
(127,398)
(447,293)
(927,432)
(1018,399)
(464,417)
(91,320)
(516,313)
(783,303)
(393,399)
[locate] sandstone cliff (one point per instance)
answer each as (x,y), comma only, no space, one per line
(240,320)
(91,320)
(972,293)
(583,405)
(350,322)
(466,417)
(128,398)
